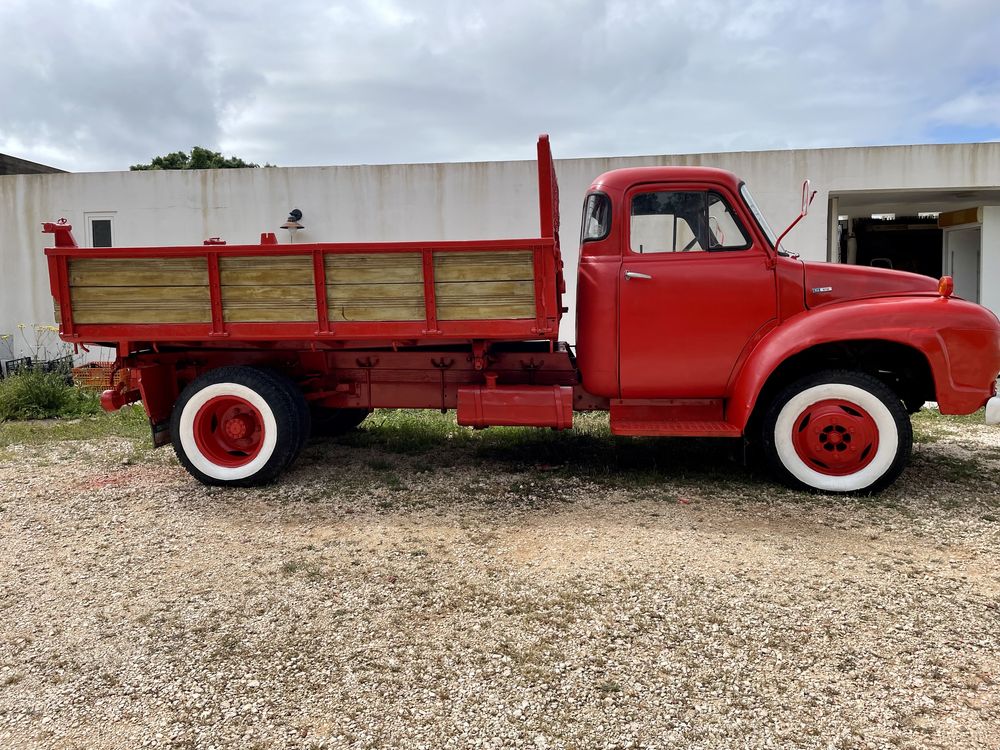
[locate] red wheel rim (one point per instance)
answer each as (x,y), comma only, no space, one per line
(229,431)
(835,437)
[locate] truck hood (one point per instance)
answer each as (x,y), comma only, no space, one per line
(834,282)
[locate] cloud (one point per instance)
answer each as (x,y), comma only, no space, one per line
(317,82)
(977,107)
(106,85)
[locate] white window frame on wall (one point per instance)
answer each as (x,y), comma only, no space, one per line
(90,217)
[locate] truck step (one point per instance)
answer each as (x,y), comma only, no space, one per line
(677,417)
(675,428)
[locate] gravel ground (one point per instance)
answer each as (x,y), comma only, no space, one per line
(440,590)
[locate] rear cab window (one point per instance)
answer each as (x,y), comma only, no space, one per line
(596,217)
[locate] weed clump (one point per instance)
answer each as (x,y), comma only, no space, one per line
(41,395)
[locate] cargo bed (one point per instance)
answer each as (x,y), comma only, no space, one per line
(219,294)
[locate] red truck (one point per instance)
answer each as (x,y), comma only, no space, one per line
(691,321)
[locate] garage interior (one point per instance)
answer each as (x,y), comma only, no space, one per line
(930,232)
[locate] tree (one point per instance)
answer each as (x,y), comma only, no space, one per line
(199,158)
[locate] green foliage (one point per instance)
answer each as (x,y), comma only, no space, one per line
(199,158)
(129,423)
(40,395)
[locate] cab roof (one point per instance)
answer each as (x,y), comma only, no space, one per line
(622,179)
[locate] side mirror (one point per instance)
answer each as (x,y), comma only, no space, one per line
(807,197)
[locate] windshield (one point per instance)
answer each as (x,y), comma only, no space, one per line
(757,214)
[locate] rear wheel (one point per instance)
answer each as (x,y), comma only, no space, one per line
(238,426)
(838,431)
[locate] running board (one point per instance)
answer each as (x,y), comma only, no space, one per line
(671,418)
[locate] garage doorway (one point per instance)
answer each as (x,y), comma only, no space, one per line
(933,232)
(962,258)
(909,243)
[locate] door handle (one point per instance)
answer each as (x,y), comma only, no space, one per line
(636,275)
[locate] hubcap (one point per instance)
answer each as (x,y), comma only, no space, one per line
(835,437)
(229,431)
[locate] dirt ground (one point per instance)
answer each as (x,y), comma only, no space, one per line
(418,585)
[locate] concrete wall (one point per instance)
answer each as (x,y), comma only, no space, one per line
(437,202)
(989,279)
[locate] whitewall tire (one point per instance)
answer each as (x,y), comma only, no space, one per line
(238,426)
(838,432)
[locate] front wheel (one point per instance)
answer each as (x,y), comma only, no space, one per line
(238,426)
(838,431)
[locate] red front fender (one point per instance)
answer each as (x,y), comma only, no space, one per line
(960,341)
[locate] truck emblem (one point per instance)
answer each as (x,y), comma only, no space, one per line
(821,289)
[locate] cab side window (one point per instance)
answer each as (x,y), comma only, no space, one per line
(672,221)
(596,217)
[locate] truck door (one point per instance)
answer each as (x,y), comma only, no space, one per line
(694,287)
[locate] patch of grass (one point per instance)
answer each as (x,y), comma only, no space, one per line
(957,469)
(130,422)
(43,395)
(393,483)
(411,431)
(312,571)
(930,425)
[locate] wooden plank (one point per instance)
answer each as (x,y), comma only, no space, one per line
(282,314)
(289,294)
(141,304)
(486,291)
(407,293)
(497,311)
(139,290)
(266,289)
(143,272)
(373,267)
(147,295)
(141,315)
(481,300)
(375,287)
(382,312)
(488,266)
(242,304)
(264,271)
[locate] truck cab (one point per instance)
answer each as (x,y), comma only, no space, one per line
(693,322)
(674,268)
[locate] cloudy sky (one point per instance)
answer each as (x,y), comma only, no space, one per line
(91,85)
